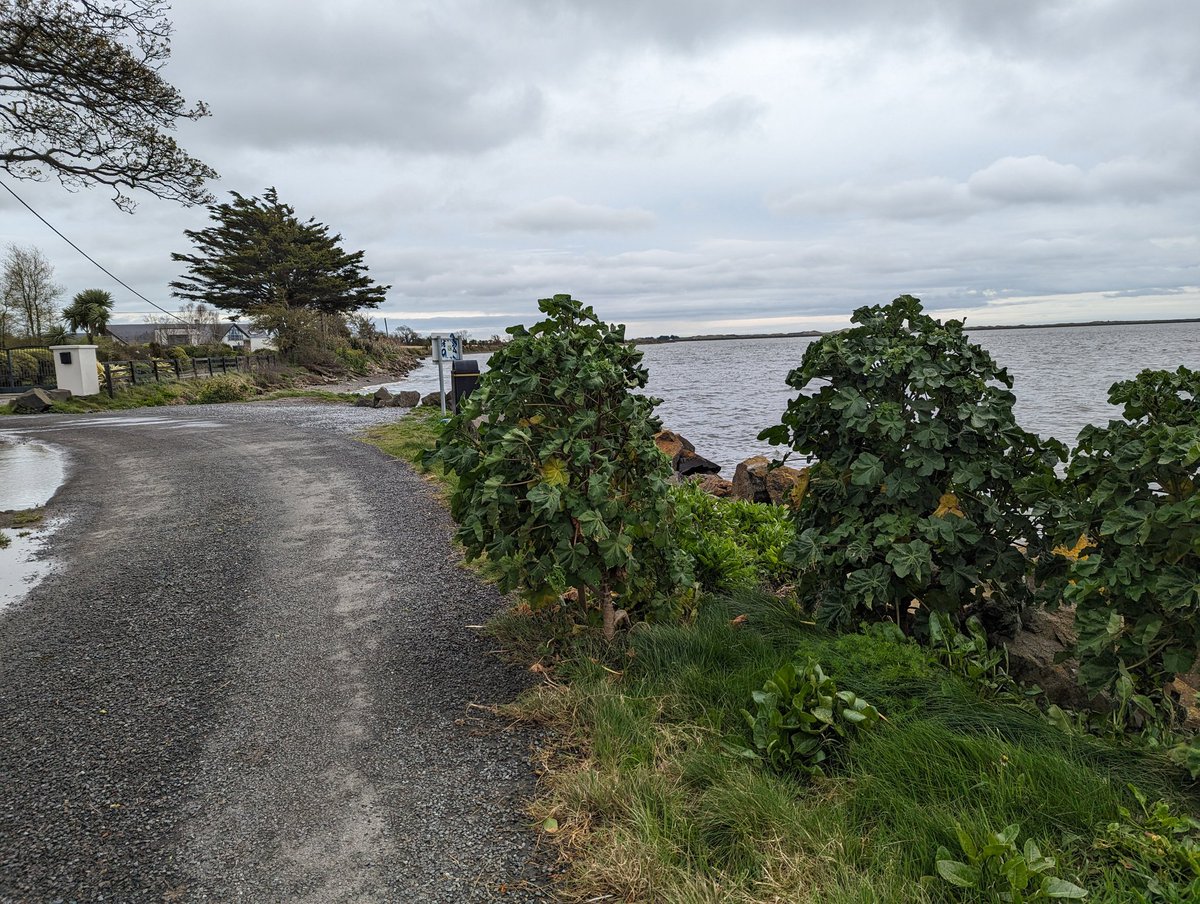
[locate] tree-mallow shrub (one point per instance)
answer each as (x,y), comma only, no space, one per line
(560,483)
(914,493)
(1130,530)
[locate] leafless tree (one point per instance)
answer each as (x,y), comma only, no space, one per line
(29,290)
(81,98)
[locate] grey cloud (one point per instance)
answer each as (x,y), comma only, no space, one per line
(727,115)
(932,197)
(562,214)
(1024,180)
(428,80)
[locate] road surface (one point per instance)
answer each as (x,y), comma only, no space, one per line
(250,676)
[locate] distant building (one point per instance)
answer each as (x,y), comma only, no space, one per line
(235,335)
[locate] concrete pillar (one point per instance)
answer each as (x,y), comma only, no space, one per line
(75,367)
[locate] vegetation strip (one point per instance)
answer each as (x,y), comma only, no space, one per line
(741,744)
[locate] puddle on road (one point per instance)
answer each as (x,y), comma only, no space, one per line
(30,474)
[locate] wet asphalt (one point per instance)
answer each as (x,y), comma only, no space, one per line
(251,676)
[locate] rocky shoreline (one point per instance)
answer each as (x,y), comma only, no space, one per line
(754,480)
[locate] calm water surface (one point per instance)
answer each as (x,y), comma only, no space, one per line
(720,394)
(30,474)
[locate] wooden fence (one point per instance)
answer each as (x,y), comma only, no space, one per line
(120,374)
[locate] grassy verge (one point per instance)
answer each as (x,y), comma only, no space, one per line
(644,801)
(648,805)
(408,438)
(222,388)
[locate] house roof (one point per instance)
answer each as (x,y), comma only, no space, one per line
(144,332)
(133,332)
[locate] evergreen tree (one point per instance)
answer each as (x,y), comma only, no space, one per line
(261,260)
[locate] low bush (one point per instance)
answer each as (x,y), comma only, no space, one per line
(222,389)
(732,544)
(800,717)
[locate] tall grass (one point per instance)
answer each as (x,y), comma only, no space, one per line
(651,808)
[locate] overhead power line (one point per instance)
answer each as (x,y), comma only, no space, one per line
(100,266)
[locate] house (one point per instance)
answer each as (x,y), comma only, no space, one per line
(249,340)
(236,335)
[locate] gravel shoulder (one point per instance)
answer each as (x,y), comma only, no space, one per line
(252,676)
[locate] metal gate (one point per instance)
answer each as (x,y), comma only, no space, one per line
(23,367)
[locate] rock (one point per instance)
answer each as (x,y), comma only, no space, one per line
(687,462)
(782,481)
(671,443)
(382,397)
(434,398)
(408,398)
(34,401)
(59,395)
(364,401)
(750,479)
(714,485)
(1031,658)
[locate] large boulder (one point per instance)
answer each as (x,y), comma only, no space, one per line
(783,481)
(750,479)
(672,443)
(382,398)
(364,401)
(714,485)
(406,398)
(1031,658)
(34,401)
(434,398)
(59,395)
(687,462)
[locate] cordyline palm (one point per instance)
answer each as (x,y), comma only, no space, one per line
(89,311)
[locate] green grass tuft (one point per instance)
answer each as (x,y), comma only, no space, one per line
(651,807)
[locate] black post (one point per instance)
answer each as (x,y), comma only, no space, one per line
(209,360)
(154,368)
(178,370)
(224,365)
(194,374)
(133,372)
(108,379)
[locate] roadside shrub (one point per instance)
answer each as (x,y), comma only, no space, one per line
(1129,558)
(354,359)
(732,543)
(222,389)
(915,493)
(559,480)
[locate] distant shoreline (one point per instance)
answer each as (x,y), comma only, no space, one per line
(808,334)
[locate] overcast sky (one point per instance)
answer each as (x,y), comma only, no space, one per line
(695,166)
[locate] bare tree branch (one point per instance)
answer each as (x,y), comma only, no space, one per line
(81,99)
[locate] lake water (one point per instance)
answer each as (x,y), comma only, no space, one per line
(721,393)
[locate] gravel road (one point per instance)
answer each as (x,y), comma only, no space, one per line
(251,678)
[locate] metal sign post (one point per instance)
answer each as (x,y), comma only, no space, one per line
(446,347)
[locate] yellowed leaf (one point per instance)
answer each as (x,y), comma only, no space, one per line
(799,489)
(948,505)
(554,472)
(1074,553)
